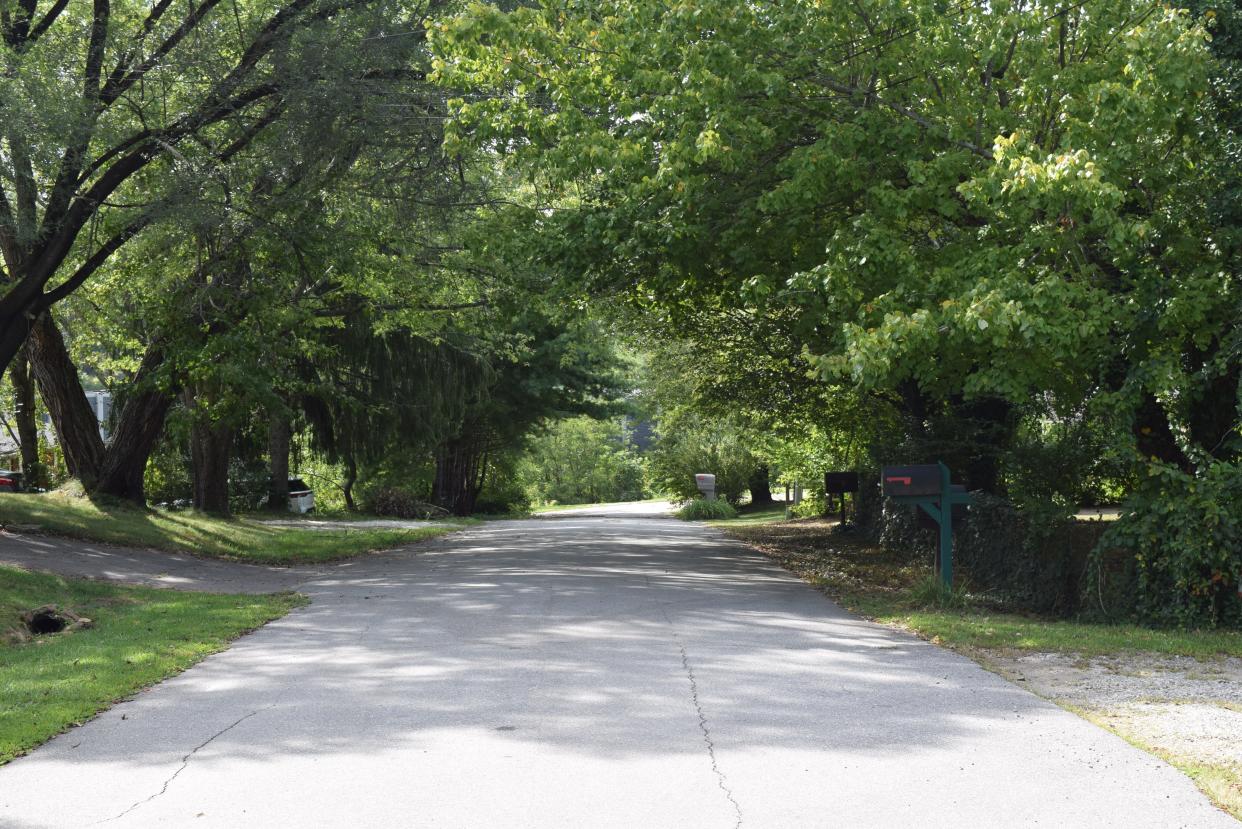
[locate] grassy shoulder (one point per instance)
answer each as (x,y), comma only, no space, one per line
(240,539)
(138,637)
(885,587)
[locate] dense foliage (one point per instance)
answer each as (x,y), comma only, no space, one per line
(584,461)
(1001,233)
(401,245)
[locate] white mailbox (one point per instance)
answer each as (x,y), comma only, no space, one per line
(707,485)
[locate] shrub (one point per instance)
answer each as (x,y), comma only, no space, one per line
(703,510)
(394,502)
(1032,558)
(1185,533)
(930,591)
(687,444)
(899,530)
(812,505)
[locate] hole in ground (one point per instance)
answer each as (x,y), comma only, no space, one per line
(45,620)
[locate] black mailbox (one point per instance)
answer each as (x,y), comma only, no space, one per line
(838,483)
(920,480)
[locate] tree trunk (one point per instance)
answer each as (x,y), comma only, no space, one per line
(351,478)
(760,487)
(14,328)
(991,422)
(27,420)
(457,482)
(278,454)
(77,427)
(1154,437)
(137,429)
(211,445)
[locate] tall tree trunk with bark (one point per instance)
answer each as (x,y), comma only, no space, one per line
(77,426)
(991,424)
(115,469)
(760,487)
(137,429)
(27,420)
(278,433)
(211,447)
(351,478)
(459,478)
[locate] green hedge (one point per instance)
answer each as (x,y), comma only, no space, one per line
(1028,560)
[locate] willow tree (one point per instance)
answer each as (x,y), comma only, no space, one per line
(370,393)
(545,368)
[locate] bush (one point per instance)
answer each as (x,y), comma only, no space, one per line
(899,530)
(687,444)
(393,502)
(813,505)
(702,510)
(1032,559)
(1185,534)
(583,461)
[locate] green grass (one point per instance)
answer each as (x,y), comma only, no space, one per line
(140,636)
(748,516)
(241,539)
(889,589)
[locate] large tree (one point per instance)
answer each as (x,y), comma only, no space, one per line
(971,208)
(115,115)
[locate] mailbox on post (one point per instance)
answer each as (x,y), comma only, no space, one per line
(707,485)
(927,487)
(839,483)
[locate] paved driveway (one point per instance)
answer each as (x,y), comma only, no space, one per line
(587,672)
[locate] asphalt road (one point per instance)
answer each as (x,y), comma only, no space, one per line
(587,671)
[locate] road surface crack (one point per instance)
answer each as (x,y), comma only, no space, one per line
(185,761)
(721,780)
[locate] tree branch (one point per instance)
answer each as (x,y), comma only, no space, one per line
(95,260)
(122,79)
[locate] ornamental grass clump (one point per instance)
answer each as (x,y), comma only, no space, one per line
(703,510)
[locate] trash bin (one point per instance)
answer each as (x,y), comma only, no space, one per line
(301,498)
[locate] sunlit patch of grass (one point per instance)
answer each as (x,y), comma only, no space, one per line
(242,539)
(542,508)
(138,637)
(748,516)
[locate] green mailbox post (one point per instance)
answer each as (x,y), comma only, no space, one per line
(927,486)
